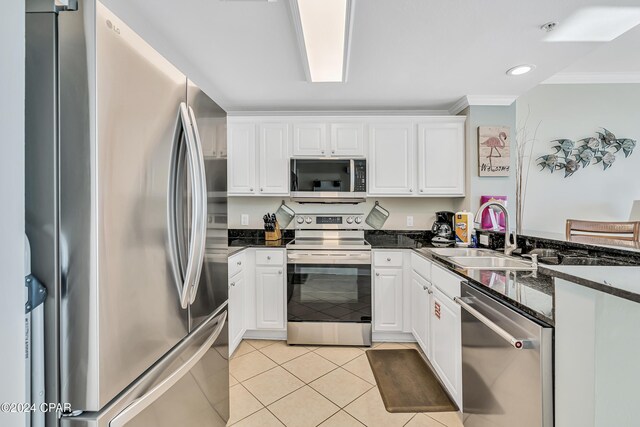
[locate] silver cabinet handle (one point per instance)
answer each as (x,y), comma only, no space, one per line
(279,271)
(377,274)
(411,190)
(424,287)
(268,258)
(389,259)
(261,189)
(233,283)
(140,404)
(430,291)
(250,188)
(322,152)
(239,262)
(515,342)
(421,190)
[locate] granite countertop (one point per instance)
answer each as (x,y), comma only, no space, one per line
(623,282)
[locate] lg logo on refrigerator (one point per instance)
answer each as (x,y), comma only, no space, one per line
(115,28)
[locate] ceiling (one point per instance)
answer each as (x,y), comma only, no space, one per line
(405,54)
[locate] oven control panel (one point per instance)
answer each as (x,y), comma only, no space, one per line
(329,221)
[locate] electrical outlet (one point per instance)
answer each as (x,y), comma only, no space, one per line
(484,239)
(409,221)
(244,219)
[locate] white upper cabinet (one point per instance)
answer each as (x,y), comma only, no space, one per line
(310,139)
(441,154)
(274,159)
(347,139)
(241,170)
(391,158)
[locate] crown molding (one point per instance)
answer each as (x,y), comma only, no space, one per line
(486,100)
(593,78)
(350,113)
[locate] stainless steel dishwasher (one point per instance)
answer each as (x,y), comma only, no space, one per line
(507,372)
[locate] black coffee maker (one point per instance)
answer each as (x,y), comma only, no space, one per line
(443,231)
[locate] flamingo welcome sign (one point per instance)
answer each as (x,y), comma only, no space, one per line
(494,156)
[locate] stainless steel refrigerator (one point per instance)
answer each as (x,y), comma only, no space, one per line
(126,214)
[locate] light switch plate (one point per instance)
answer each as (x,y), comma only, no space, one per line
(409,221)
(244,219)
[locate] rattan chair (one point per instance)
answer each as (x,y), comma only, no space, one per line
(627,231)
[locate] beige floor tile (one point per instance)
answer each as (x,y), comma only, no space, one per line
(341,387)
(304,407)
(360,366)
(242,403)
(341,419)
(250,365)
(309,367)
(370,411)
(232,380)
(272,385)
(422,420)
(413,345)
(281,352)
(339,355)
(243,348)
(390,346)
(258,344)
(449,419)
(262,418)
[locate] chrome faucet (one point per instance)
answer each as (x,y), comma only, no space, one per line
(508,246)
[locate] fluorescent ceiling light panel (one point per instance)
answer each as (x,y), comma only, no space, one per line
(324,25)
(595,24)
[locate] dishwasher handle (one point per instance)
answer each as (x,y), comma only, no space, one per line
(518,344)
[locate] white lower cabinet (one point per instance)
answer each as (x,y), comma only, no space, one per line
(446,342)
(388,301)
(236,311)
(270,291)
(420,311)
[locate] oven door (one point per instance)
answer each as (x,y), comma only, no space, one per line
(329,286)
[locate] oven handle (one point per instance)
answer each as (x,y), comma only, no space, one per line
(517,343)
(318,258)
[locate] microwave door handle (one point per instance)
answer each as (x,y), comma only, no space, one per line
(352,183)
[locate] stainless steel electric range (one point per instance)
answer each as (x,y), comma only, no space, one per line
(329,281)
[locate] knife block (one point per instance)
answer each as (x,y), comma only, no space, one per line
(271,236)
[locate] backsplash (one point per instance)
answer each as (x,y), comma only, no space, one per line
(421,210)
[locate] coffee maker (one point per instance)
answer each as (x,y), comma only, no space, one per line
(443,231)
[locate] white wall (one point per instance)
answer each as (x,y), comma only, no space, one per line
(422,209)
(12,211)
(477,186)
(576,112)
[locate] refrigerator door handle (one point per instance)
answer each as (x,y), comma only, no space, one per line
(188,278)
(200,227)
(156,392)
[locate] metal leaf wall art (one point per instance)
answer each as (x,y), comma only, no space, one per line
(570,156)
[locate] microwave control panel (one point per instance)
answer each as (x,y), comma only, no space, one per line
(360,176)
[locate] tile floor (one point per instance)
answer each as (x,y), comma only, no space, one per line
(273,384)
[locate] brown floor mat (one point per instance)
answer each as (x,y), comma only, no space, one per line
(407,383)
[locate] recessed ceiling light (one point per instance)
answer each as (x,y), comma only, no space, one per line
(596,24)
(325,27)
(520,69)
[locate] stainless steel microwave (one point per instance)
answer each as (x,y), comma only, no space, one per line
(328,180)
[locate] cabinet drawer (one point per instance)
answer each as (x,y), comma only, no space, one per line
(421,266)
(387,259)
(269,257)
(236,264)
(447,282)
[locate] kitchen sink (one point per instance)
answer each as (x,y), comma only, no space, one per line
(461,252)
(491,263)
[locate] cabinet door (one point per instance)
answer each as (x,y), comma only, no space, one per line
(236,311)
(387,315)
(274,159)
(242,158)
(420,316)
(221,138)
(446,343)
(391,159)
(270,286)
(441,159)
(310,139)
(347,139)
